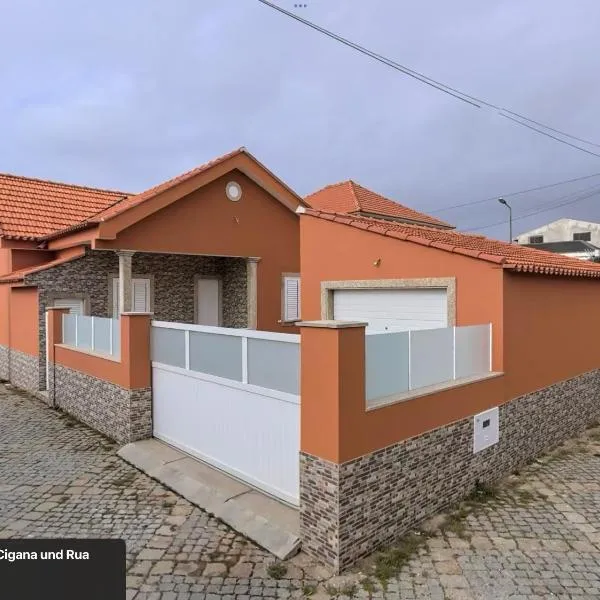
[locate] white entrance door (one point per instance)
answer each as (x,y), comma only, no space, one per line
(208,302)
(393,309)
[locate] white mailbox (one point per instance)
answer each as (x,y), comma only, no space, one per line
(486,429)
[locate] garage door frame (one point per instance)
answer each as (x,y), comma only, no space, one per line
(447,283)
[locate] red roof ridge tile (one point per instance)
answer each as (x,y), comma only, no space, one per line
(353,185)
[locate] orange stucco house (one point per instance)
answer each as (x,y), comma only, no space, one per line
(227,245)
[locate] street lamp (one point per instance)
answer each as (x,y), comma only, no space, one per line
(503,201)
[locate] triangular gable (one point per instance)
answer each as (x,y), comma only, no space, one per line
(135,208)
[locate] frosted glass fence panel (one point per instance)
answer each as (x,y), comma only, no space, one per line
(431,356)
(84,332)
(97,334)
(473,350)
(102,336)
(274,365)
(386,364)
(116,336)
(69,325)
(215,354)
(168,346)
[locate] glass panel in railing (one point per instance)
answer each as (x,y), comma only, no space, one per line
(386,364)
(69,329)
(216,354)
(431,356)
(274,364)
(102,329)
(472,350)
(84,332)
(116,337)
(168,346)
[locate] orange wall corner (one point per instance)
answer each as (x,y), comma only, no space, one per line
(24,320)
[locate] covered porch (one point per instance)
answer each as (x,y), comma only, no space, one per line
(218,291)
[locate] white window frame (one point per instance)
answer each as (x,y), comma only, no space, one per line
(287,281)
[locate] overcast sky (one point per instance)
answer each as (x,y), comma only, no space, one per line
(124,94)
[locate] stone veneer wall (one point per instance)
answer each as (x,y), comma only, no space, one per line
(85,278)
(348,510)
(4,375)
(235,292)
(121,414)
(23,370)
(172,280)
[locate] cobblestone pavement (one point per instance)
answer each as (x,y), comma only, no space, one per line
(538,537)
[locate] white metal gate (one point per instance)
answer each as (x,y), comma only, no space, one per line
(231,398)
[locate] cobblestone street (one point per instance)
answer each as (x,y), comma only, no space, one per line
(537,537)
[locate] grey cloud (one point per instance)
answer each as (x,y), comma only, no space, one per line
(124,95)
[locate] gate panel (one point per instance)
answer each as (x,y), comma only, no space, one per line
(249,431)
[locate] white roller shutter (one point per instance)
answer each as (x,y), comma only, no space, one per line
(291,298)
(74,305)
(393,309)
(140,292)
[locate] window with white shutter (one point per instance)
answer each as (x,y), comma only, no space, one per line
(141,295)
(291,298)
(140,301)
(74,305)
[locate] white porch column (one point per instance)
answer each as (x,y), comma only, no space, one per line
(125,292)
(252,290)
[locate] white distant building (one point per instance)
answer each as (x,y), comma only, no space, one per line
(578,239)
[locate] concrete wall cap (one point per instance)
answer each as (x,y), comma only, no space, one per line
(137,314)
(332,324)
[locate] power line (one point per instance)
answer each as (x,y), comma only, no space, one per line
(472,100)
(594,190)
(528,190)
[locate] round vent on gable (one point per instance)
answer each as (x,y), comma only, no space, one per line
(233,191)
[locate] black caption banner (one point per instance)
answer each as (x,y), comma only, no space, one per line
(64,569)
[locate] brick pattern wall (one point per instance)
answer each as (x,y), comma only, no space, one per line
(120,414)
(23,370)
(172,279)
(4,375)
(382,495)
(319,514)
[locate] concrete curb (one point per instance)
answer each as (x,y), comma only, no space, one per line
(283,544)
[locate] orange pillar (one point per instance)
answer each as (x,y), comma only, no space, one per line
(135,349)
(332,389)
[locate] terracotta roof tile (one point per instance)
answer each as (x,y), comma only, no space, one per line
(510,256)
(349,197)
(34,208)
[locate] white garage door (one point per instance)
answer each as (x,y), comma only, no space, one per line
(393,309)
